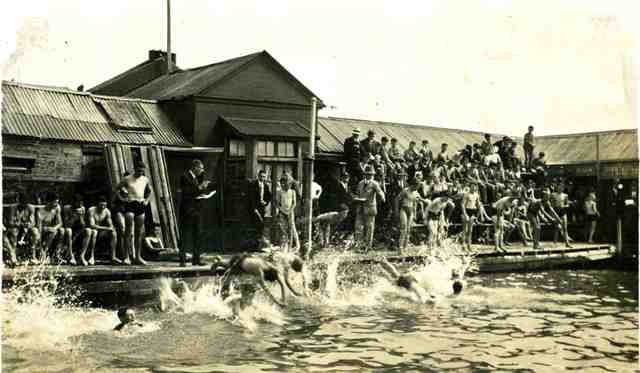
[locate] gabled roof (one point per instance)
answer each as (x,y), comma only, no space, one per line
(334,131)
(250,127)
(135,77)
(66,115)
(589,147)
(192,82)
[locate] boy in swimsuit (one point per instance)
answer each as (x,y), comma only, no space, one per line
(49,221)
(327,220)
(100,221)
(127,319)
(253,266)
(404,207)
(135,191)
(74,219)
(435,218)
(409,282)
(22,225)
(502,206)
(470,209)
(560,203)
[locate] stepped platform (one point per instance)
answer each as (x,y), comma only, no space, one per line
(134,280)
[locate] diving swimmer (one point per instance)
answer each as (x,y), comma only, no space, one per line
(260,268)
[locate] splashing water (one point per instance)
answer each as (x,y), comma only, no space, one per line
(207,299)
(43,312)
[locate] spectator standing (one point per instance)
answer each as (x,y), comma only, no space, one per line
(367,191)
(352,155)
(443,156)
(259,198)
(411,155)
(395,154)
(528,145)
(192,185)
(487,146)
(285,204)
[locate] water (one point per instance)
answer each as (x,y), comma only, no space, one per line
(584,320)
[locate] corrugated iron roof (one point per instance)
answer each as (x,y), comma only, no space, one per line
(184,83)
(66,115)
(267,128)
(133,78)
(581,148)
(334,131)
(191,82)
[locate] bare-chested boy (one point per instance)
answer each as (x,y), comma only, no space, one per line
(22,226)
(259,268)
(74,219)
(502,206)
(404,208)
(470,212)
(101,222)
(135,191)
(435,218)
(49,221)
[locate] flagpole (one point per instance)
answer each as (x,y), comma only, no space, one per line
(168,37)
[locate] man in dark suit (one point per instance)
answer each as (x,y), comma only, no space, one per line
(192,185)
(259,198)
(352,155)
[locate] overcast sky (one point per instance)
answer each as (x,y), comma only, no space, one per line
(564,66)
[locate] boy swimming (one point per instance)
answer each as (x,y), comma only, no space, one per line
(127,319)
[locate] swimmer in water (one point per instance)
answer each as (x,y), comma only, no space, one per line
(256,267)
(406,281)
(127,319)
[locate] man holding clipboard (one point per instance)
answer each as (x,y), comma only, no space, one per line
(194,191)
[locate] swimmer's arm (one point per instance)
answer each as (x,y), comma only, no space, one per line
(263,285)
(396,204)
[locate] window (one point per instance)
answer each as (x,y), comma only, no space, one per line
(266,148)
(236,148)
(18,164)
(286,149)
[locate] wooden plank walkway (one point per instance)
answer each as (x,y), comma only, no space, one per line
(136,279)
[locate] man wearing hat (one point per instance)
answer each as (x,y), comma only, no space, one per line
(352,154)
(369,147)
(135,191)
(367,191)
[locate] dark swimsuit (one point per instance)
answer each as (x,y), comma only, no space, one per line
(472,212)
(405,281)
(135,207)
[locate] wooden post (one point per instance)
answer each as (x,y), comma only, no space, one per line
(308,195)
(619,239)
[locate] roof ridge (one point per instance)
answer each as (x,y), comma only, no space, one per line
(410,125)
(71,91)
(218,63)
(128,71)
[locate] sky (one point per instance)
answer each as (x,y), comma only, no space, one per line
(563,66)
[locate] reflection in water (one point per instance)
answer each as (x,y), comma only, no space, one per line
(546,321)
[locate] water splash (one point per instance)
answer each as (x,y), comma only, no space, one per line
(42,311)
(206,298)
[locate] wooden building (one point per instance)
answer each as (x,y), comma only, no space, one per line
(242,115)
(56,139)
(597,161)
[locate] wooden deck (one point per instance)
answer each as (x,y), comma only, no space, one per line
(145,280)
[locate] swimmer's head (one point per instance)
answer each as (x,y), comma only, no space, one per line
(296,264)
(126,315)
(457,287)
